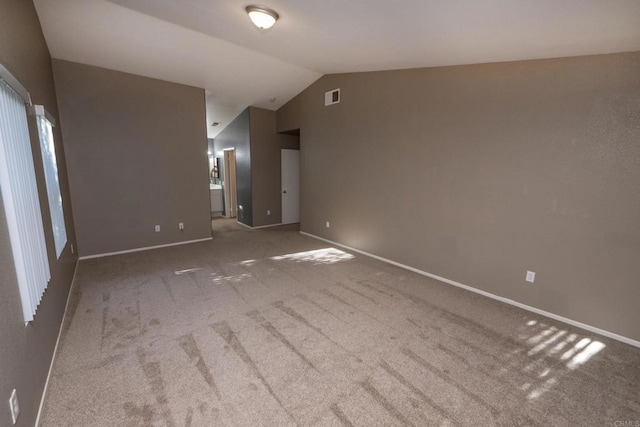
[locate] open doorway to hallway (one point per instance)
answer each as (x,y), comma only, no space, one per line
(222,187)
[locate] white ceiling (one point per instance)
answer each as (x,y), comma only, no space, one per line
(212,43)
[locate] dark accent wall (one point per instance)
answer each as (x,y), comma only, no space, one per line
(137,155)
(257,143)
(479,173)
(26,351)
(266,144)
(237,135)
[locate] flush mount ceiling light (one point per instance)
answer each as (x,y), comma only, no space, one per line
(262,17)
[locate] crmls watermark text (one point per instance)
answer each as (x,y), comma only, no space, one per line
(627,423)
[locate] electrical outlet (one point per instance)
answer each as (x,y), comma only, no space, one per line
(268,212)
(14,406)
(531,276)
(181,226)
(157,228)
(328,224)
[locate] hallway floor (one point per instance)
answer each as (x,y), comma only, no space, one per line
(221,224)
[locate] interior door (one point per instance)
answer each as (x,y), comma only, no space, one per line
(290,172)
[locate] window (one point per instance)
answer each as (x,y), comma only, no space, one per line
(20,196)
(48,149)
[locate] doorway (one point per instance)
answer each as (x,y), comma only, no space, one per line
(290,179)
(230,195)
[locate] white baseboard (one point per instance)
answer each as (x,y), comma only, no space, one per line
(260,226)
(589,328)
(267,226)
(146,248)
(55,349)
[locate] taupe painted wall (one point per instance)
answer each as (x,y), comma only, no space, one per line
(266,144)
(26,351)
(236,135)
(137,155)
(479,173)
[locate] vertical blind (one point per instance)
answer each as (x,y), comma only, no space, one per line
(20,198)
(48,149)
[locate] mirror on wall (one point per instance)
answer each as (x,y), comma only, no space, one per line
(214,169)
(215,187)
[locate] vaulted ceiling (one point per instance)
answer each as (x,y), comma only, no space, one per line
(212,44)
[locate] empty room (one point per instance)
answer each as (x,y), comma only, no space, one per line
(342,213)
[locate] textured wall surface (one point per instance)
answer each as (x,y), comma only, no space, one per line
(137,154)
(26,351)
(479,173)
(237,135)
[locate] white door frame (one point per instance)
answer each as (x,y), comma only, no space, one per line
(230,187)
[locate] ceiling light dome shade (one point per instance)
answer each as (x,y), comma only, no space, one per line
(262,17)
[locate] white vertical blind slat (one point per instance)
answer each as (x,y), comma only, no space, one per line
(21,203)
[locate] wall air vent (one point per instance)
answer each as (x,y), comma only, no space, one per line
(332,97)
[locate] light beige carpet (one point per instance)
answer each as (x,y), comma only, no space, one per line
(273,328)
(224,225)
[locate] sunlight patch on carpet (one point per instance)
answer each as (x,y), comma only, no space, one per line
(318,256)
